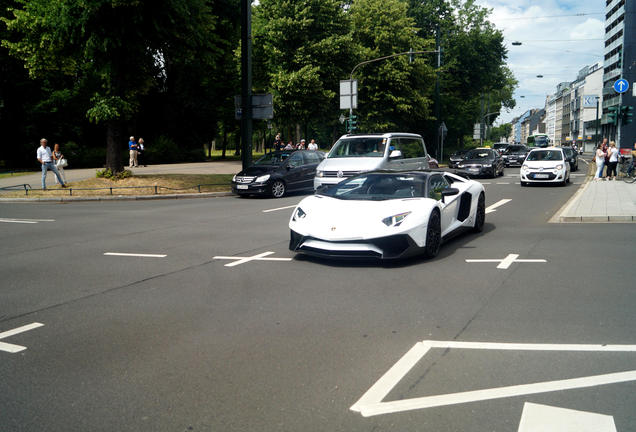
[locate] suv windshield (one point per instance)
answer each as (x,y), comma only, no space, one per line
(273,158)
(479,154)
(378,187)
(358,147)
(515,149)
(545,155)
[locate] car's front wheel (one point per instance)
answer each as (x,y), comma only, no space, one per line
(480,214)
(433,235)
(278,189)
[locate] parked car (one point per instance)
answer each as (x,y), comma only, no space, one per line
(572,157)
(482,161)
(277,173)
(545,165)
(456,158)
(515,154)
(387,215)
(354,154)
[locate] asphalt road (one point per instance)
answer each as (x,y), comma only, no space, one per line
(185,343)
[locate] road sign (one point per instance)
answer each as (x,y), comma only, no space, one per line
(589,101)
(348,94)
(621,85)
(443,130)
(477,131)
(262,107)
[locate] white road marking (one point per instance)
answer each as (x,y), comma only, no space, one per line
(243,260)
(507,261)
(546,418)
(486,183)
(491,208)
(25,221)
(279,208)
(371,402)
(503,183)
(585,161)
(7,347)
(135,255)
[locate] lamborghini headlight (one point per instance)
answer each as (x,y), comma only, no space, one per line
(298,214)
(262,179)
(395,220)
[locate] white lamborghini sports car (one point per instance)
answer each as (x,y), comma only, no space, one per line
(387,215)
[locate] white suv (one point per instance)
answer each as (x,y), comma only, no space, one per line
(354,154)
(545,165)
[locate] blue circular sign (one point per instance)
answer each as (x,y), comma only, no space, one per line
(621,85)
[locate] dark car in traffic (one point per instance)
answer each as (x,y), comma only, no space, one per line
(278,173)
(500,147)
(515,154)
(482,162)
(571,157)
(456,158)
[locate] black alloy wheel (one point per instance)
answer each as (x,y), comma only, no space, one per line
(433,235)
(480,215)
(278,188)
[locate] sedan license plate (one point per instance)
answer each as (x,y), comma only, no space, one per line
(541,176)
(243,187)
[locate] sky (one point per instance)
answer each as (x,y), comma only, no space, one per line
(559,37)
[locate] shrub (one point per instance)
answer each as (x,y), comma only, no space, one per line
(108,174)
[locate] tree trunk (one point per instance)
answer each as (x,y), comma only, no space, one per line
(224,141)
(113,156)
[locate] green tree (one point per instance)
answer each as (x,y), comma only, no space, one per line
(302,49)
(392,94)
(108,54)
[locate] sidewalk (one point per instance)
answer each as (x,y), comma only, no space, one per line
(601,201)
(72,175)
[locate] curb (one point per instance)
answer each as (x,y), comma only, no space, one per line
(118,197)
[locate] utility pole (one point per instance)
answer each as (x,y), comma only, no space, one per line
(437,90)
(246,83)
(597,122)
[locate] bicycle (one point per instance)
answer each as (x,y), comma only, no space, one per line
(627,171)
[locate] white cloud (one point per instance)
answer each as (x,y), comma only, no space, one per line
(550,32)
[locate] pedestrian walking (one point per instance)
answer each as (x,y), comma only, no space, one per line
(279,145)
(606,151)
(613,161)
(141,148)
(301,145)
(312,145)
(60,162)
(45,157)
(289,146)
(600,162)
(132,149)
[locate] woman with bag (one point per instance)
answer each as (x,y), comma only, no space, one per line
(600,162)
(613,161)
(60,162)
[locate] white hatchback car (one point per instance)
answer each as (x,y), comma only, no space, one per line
(545,165)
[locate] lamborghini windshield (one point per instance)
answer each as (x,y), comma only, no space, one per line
(378,187)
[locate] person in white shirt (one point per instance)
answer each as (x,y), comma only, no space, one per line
(46,159)
(613,161)
(600,161)
(312,145)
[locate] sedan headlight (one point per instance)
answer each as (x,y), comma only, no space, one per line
(395,220)
(234,178)
(299,214)
(559,167)
(262,179)
(320,173)
(460,166)
(525,168)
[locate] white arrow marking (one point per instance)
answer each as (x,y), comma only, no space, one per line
(243,260)
(134,255)
(491,208)
(371,404)
(545,418)
(16,348)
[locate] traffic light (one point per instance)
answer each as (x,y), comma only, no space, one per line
(353,122)
(627,112)
(612,115)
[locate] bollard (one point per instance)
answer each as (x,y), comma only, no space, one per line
(111,190)
(155,189)
(70,191)
(199,186)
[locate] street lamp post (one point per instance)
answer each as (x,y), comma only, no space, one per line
(483,121)
(597,122)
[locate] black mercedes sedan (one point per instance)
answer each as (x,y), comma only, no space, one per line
(482,162)
(456,158)
(515,154)
(277,173)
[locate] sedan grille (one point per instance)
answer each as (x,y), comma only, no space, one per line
(245,179)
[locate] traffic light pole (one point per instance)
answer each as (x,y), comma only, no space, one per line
(246,83)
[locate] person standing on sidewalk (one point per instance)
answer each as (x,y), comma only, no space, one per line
(58,156)
(613,161)
(600,162)
(45,157)
(141,148)
(132,148)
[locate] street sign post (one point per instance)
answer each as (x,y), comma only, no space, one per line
(348,94)
(621,86)
(262,106)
